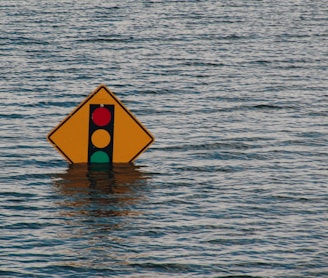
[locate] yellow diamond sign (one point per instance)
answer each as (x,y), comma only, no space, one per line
(100,130)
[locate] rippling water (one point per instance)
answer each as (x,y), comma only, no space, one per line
(236,94)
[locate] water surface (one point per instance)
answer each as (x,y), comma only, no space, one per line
(236,94)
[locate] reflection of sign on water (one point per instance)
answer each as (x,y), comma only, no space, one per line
(101,130)
(100,191)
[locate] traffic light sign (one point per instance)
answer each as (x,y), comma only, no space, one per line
(101,133)
(100,130)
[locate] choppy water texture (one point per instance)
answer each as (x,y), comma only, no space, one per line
(236,94)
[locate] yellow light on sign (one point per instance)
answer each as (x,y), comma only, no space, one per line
(101,129)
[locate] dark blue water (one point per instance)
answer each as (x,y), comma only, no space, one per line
(236,94)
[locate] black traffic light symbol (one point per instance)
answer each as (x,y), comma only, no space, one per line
(101,133)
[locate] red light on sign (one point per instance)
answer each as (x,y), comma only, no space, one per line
(101,116)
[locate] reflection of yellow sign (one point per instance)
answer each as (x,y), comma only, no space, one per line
(111,187)
(100,129)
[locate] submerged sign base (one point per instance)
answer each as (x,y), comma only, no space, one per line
(100,130)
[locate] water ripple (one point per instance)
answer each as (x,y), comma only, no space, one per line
(235,184)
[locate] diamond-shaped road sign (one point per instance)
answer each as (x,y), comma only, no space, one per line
(100,129)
